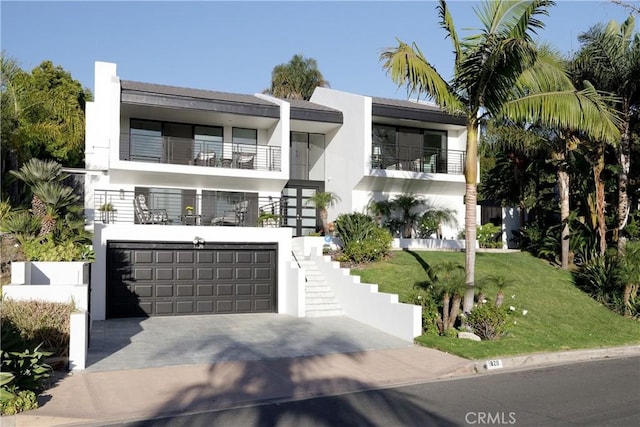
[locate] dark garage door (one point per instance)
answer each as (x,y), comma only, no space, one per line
(172,279)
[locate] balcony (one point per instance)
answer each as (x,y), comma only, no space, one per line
(185,151)
(185,207)
(418,160)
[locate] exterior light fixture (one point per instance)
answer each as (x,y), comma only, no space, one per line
(198,242)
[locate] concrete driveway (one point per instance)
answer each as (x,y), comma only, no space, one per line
(134,343)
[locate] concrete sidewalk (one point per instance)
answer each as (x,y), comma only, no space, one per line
(97,398)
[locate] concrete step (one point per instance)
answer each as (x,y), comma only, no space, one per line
(324,313)
(317,302)
(320,293)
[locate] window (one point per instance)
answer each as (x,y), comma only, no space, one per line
(247,139)
(208,145)
(407,148)
(145,140)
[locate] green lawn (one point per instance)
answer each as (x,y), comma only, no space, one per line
(560,317)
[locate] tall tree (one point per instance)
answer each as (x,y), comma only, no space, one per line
(42,115)
(610,58)
(496,72)
(296,79)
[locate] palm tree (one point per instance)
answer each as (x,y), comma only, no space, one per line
(380,209)
(448,279)
(497,73)
(610,58)
(35,172)
(323,200)
(442,216)
(296,79)
(56,198)
(406,203)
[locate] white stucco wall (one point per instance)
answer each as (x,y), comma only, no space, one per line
(102,130)
(279,135)
(510,223)
(348,148)
(287,293)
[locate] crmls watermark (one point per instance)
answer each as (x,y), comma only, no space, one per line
(490,418)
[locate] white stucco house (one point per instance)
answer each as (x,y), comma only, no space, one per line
(195,196)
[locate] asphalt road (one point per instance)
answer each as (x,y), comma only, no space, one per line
(597,393)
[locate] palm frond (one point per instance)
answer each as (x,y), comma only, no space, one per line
(407,65)
(547,73)
(512,19)
(585,110)
(490,71)
(446,22)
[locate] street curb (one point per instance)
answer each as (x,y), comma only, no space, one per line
(536,360)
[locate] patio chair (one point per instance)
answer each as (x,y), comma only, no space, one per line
(205,159)
(144,215)
(245,161)
(233,217)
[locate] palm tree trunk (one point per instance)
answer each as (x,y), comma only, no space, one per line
(324,215)
(445,310)
(624,159)
(626,299)
(470,217)
(598,167)
(455,309)
(563,189)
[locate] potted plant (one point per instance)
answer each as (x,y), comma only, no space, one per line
(266,219)
(107,213)
(189,210)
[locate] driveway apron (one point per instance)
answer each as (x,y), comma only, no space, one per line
(135,343)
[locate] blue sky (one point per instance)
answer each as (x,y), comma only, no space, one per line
(233,46)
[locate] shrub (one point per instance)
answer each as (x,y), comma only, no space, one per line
(39,322)
(23,371)
(487,236)
(487,321)
(428,224)
(363,240)
(354,227)
(38,249)
(430,310)
(373,248)
(23,400)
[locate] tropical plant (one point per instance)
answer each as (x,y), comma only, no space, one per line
(42,116)
(56,198)
(37,171)
(296,79)
(487,321)
(447,280)
(610,58)
(406,204)
(600,278)
(323,200)
(434,218)
(497,72)
(500,282)
(487,236)
(630,275)
(380,209)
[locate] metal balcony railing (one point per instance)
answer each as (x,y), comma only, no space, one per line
(185,207)
(185,151)
(419,160)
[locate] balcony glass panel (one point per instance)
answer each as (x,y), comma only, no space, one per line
(146,141)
